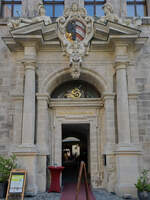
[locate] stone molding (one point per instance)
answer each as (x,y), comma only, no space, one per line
(133,95)
(77,102)
(25,149)
(29,64)
(121,62)
(109,96)
(43,97)
(17,97)
(128,149)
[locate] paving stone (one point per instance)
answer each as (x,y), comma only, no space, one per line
(99,194)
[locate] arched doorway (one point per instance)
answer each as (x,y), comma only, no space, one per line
(75,112)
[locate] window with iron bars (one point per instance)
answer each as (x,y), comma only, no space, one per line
(136,8)
(10,8)
(94,7)
(54,8)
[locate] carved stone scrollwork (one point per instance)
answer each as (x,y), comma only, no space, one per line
(75,30)
(75,63)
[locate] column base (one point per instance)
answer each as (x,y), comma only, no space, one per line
(27,159)
(127,163)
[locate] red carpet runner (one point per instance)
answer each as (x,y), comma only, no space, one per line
(69,192)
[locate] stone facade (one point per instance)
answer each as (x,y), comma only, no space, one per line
(115,60)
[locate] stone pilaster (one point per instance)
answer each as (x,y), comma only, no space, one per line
(109,122)
(132,90)
(43,130)
(110,140)
(43,123)
(18,102)
(28,129)
(127,154)
(121,62)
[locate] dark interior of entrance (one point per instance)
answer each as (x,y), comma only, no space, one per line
(75,148)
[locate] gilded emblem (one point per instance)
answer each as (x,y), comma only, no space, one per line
(75,93)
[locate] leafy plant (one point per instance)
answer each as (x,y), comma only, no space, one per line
(6,165)
(143,182)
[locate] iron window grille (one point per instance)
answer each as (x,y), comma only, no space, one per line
(94,7)
(54,8)
(136,8)
(10,8)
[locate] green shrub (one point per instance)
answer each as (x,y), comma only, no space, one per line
(6,165)
(143,182)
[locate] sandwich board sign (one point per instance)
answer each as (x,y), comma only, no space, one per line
(16,184)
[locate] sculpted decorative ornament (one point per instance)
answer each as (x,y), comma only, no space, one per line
(14,24)
(110,16)
(75,30)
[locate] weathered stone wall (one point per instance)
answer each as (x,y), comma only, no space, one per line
(6,85)
(143,87)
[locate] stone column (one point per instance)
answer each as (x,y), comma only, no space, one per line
(121,62)
(28,129)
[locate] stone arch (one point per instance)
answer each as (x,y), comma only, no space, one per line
(57,78)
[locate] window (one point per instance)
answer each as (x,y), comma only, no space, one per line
(10,8)
(94,7)
(136,8)
(54,8)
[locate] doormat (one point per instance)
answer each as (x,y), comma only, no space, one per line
(69,192)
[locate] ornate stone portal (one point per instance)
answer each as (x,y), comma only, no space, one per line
(36,45)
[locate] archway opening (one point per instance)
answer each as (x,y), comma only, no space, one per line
(75,148)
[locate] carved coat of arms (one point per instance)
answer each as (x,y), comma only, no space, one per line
(75,30)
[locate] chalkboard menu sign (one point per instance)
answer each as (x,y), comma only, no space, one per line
(16,185)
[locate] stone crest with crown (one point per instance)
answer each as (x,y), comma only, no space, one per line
(75,30)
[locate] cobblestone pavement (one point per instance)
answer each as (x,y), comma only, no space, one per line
(99,195)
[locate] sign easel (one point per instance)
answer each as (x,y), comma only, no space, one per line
(82,169)
(16,185)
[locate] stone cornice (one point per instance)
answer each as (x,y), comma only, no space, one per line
(128,149)
(133,95)
(17,97)
(82,102)
(108,96)
(43,97)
